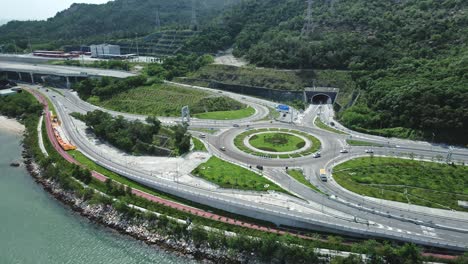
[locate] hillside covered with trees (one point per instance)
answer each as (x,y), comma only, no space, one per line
(87,23)
(408,58)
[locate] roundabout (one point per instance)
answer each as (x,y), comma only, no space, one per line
(277,143)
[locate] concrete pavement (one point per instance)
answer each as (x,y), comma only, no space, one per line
(380,224)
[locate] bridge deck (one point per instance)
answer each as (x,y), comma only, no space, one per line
(65,71)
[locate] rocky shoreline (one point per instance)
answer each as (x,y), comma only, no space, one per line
(136,228)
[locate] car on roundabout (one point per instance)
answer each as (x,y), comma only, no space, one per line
(222,148)
(317,155)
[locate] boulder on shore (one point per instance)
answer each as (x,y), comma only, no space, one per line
(15,164)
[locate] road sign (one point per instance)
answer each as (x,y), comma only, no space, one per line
(284,108)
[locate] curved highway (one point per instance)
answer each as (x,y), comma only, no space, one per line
(339,211)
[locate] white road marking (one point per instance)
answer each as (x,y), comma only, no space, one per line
(428,231)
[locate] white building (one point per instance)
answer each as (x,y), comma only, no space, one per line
(104,50)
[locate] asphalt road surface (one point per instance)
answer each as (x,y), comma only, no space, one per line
(341,209)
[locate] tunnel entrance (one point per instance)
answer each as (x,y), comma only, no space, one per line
(321,99)
(321,95)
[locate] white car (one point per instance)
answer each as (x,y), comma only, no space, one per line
(222,149)
(370,151)
(344,151)
(203,136)
(317,155)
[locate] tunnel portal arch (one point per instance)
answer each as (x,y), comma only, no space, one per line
(321,99)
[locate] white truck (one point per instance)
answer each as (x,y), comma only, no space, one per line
(323,175)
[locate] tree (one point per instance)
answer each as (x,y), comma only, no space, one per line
(410,253)
(199,235)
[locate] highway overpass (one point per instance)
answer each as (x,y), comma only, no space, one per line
(38,73)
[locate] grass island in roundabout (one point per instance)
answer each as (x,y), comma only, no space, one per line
(277,143)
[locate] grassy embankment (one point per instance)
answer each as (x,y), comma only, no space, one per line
(198,145)
(275,79)
(239,143)
(352,142)
(408,181)
(324,126)
(277,142)
(228,175)
(168,100)
(227,115)
(299,176)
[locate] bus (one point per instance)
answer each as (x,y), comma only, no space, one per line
(323,175)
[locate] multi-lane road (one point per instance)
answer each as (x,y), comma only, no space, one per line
(341,210)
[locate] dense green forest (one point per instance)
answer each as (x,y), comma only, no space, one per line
(87,23)
(408,58)
(137,137)
(17,105)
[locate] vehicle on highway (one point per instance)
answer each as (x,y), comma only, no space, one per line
(323,175)
(344,151)
(317,155)
(235,125)
(222,148)
(370,151)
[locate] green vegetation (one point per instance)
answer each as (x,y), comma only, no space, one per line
(286,80)
(198,145)
(423,183)
(168,100)
(135,136)
(239,143)
(276,142)
(149,96)
(104,64)
(284,248)
(117,20)
(299,176)
(227,115)
(408,64)
(319,123)
(18,104)
(228,175)
(352,142)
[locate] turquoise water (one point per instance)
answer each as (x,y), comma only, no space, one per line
(35,228)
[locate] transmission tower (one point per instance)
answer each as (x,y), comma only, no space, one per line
(194,24)
(332,3)
(308,24)
(158,20)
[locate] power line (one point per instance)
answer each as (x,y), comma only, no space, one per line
(194,24)
(309,25)
(158,20)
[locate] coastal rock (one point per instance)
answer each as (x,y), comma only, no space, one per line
(15,164)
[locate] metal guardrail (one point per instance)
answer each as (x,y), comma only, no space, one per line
(279,215)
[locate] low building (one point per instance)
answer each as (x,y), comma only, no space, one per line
(105,51)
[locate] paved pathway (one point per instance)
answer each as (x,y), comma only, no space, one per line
(150,197)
